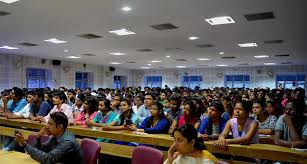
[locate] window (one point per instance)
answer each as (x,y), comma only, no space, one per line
(192,81)
(290,81)
(37,78)
(82,80)
(153,81)
(119,82)
(237,81)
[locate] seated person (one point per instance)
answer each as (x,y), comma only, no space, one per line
(174,111)
(62,147)
(127,117)
(145,109)
(266,121)
(291,128)
(271,108)
(90,108)
(213,125)
(189,116)
(104,116)
(226,101)
(187,148)
(244,129)
(78,106)
(40,107)
(59,101)
(25,111)
(15,104)
(154,124)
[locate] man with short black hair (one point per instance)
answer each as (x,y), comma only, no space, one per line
(62,146)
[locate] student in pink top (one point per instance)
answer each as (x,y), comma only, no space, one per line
(244,129)
(90,108)
(59,101)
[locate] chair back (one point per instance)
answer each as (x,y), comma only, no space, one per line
(91,150)
(145,154)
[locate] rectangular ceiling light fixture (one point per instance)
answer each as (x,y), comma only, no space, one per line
(122,32)
(55,41)
(9,1)
(220,20)
(248,45)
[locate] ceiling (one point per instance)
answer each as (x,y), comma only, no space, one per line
(33,21)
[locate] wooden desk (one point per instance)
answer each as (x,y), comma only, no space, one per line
(16,157)
(3,152)
(262,151)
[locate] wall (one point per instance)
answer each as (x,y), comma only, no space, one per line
(13,72)
(261,76)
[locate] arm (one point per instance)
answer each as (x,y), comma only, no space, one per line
(197,124)
(173,127)
(221,143)
(279,141)
(161,127)
(266,131)
(248,137)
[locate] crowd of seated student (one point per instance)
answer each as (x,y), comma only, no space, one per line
(229,116)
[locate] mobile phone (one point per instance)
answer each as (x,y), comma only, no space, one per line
(128,122)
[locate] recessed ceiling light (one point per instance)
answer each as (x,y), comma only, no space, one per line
(9,1)
(269,63)
(122,32)
(181,66)
(9,48)
(156,61)
(73,57)
(126,8)
(261,56)
(220,20)
(221,53)
(248,45)
(222,65)
(145,67)
(203,59)
(55,41)
(149,64)
(193,38)
(115,63)
(117,53)
(66,50)
(168,56)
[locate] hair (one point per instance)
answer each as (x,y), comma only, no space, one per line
(107,104)
(193,109)
(122,117)
(59,118)
(151,94)
(257,101)
(140,97)
(177,99)
(247,105)
(160,108)
(61,96)
(18,92)
(92,104)
(299,119)
(189,132)
(39,93)
(220,108)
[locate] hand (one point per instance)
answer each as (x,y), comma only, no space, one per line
(298,144)
(89,122)
(42,132)
(41,119)
(204,137)
(20,139)
(288,120)
(132,127)
(10,115)
(172,154)
(221,144)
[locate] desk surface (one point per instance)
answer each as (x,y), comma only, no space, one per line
(16,157)
(262,151)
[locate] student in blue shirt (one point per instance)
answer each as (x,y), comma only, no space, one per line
(154,124)
(40,107)
(214,124)
(16,103)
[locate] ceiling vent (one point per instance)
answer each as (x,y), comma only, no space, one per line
(228,57)
(131,62)
(286,63)
(243,64)
(259,16)
(89,36)
(88,55)
(203,65)
(282,55)
(166,26)
(174,49)
(27,44)
(205,45)
(144,50)
(273,41)
(181,59)
(4,13)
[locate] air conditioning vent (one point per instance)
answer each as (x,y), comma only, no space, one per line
(259,16)
(166,26)
(181,59)
(4,13)
(88,55)
(282,55)
(205,45)
(228,57)
(273,41)
(27,44)
(144,50)
(89,36)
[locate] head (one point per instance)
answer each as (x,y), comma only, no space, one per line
(59,98)
(189,109)
(163,96)
(113,104)
(174,103)
(291,108)
(216,109)
(47,96)
(138,100)
(185,138)
(242,109)
(225,100)
(104,105)
(16,94)
(258,107)
(117,99)
(71,94)
(57,123)
(38,96)
(30,96)
(166,103)
(156,110)
(90,105)
(270,107)
(149,100)
(79,100)
(125,105)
